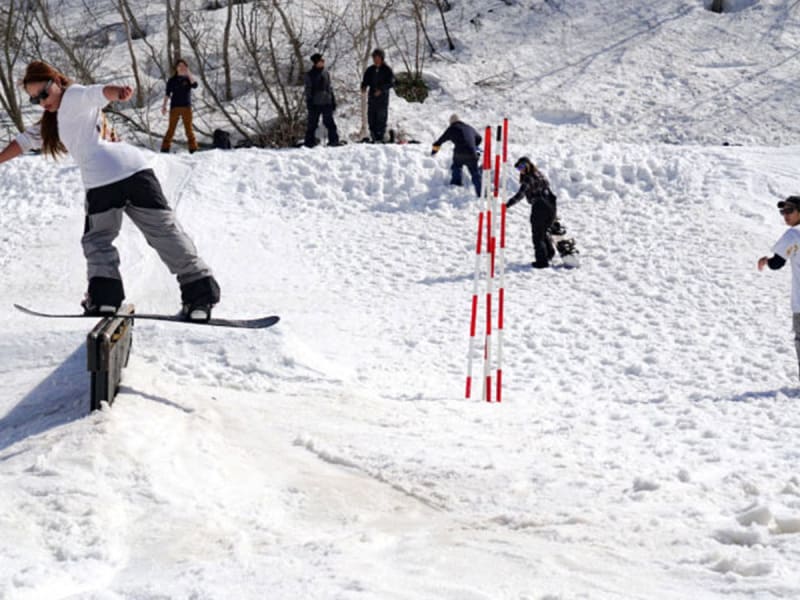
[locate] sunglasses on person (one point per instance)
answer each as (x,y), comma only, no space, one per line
(521,168)
(787,210)
(37,99)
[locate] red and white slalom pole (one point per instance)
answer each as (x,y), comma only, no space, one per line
(487,348)
(473,321)
(494,191)
(501,294)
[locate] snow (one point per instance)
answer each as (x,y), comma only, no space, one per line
(646,444)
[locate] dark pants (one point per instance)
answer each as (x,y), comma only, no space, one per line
(474,172)
(377,116)
(314,113)
(140,197)
(542,217)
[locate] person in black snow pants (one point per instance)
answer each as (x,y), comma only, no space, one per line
(536,189)
(118,181)
(378,80)
(320,101)
(465,154)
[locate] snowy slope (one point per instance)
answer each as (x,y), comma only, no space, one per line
(646,446)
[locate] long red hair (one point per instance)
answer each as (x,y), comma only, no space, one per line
(38,72)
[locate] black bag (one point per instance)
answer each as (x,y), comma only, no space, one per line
(222,139)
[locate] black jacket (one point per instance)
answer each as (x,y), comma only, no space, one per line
(536,189)
(318,88)
(465,139)
(179,90)
(378,78)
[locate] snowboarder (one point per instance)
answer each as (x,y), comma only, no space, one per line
(788,248)
(179,95)
(536,189)
(117,180)
(320,100)
(465,154)
(378,80)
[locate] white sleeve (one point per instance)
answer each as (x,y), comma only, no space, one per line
(30,139)
(80,97)
(788,245)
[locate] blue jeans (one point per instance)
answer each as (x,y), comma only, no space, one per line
(474,172)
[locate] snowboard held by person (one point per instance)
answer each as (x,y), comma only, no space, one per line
(787,248)
(465,154)
(118,181)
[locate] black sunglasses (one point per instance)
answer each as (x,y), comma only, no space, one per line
(37,99)
(787,210)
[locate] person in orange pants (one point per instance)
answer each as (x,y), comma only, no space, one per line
(179,95)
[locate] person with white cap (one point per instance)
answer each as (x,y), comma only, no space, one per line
(788,248)
(465,154)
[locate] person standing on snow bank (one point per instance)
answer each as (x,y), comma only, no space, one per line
(536,189)
(117,179)
(788,248)
(179,95)
(377,81)
(320,101)
(465,154)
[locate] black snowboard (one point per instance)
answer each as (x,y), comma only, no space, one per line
(261,323)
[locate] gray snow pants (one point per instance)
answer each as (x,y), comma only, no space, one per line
(140,197)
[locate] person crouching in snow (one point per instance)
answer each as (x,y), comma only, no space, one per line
(465,153)
(536,189)
(117,180)
(788,248)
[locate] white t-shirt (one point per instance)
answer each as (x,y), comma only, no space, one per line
(80,127)
(788,248)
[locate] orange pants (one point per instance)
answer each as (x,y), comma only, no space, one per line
(185,113)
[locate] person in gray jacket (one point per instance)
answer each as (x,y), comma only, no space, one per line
(320,101)
(117,180)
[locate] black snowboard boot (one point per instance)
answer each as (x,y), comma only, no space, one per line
(566,247)
(556,228)
(198,298)
(104,296)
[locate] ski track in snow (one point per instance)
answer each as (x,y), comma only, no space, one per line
(647,442)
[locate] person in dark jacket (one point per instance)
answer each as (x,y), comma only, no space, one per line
(465,154)
(378,80)
(179,96)
(536,189)
(320,101)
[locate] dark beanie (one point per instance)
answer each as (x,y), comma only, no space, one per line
(793,201)
(315,58)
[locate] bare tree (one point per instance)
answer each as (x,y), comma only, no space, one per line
(226,52)
(82,58)
(15,22)
(407,37)
(443,6)
(124,11)
(173,31)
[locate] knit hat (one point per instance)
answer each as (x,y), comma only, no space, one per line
(315,58)
(454,118)
(793,201)
(378,52)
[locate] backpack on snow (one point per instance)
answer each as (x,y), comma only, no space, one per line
(222,139)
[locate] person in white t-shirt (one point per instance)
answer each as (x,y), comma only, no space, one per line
(788,248)
(118,180)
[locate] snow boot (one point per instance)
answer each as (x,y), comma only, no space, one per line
(198,298)
(104,296)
